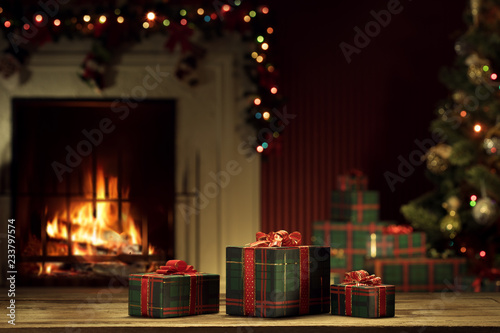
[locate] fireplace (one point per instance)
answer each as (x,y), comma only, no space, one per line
(93,187)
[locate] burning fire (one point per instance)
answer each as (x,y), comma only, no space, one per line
(100,232)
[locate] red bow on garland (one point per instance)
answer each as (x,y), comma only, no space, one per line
(277,239)
(176,267)
(361,278)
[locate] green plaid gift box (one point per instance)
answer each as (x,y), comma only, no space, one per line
(165,296)
(277,281)
(380,246)
(352,182)
(419,274)
(360,207)
(410,245)
(347,241)
(363,301)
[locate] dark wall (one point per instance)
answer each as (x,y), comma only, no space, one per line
(363,114)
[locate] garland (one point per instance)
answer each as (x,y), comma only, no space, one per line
(27,25)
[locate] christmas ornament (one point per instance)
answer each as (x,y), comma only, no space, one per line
(438,158)
(491,142)
(484,211)
(479,69)
(450,225)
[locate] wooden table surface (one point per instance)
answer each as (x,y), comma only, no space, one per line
(96,310)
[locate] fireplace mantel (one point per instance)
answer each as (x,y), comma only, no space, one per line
(208,120)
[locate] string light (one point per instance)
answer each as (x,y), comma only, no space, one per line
(213,16)
(257,101)
(145,25)
(207,18)
(151,16)
(463,249)
(252,13)
(274,90)
(494,76)
(57,22)
(26,26)
(259,149)
(258,115)
(254,55)
(1,10)
(226,8)
(86,18)
(265,145)
(472,203)
(237,2)
(482,254)
(90,26)
(260,59)
(463,113)
(266,115)
(120,19)
(38,18)
(265,46)
(486,68)
(473,197)
(118,11)
(102,19)
(260,39)
(270,68)
(276,135)
(247,18)
(184,21)
(270,30)
(477,128)
(6,24)
(200,11)
(166,22)
(264,10)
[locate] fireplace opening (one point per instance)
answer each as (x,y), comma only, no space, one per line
(93,188)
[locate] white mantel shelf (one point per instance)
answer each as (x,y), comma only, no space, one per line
(106,310)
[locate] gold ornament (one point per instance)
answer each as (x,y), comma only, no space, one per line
(484,211)
(438,158)
(450,225)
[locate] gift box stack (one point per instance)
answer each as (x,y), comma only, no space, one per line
(360,241)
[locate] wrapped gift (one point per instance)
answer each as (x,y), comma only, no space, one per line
(360,207)
(353,181)
(380,246)
(419,274)
(347,242)
(362,295)
(175,290)
(397,241)
(276,277)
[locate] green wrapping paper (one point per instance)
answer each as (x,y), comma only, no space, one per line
(412,245)
(347,241)
(164,296)
(277,281)
(352,182)
(361,207)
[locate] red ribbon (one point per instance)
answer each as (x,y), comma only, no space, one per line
(277,239)
(397,229)
(361,278)
(173,267)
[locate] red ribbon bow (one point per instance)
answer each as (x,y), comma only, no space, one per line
(397,229)
(176,267)
(361,278)
(277,239)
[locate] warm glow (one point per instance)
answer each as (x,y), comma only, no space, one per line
(57,22)
(102,19)
(1,10)
(257,101)
(103,231)
(184,21)
(145,25)
(38,18)
(200,11)
(26,26)
(270,30)
(226,8)
(86,18)
(266,115)
(463,249)
(274,90)
(473,197)
(265,10)
(7,24)
(482,254)
(270,68)
(260,59)
(246,18)
(477,128)
(255,55)
(494,76)
(259,149)
(90,26)
(120,19)
(463,113)
(264,46)
(151,16)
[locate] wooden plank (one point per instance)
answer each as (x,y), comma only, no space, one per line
(106,309)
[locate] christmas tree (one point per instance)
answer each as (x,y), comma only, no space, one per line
(461,214)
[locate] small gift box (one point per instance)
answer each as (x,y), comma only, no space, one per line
(362,295)
(276,277)
(359,207)
(355,180)
(175,290)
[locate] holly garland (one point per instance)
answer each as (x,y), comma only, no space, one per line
(27,25)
